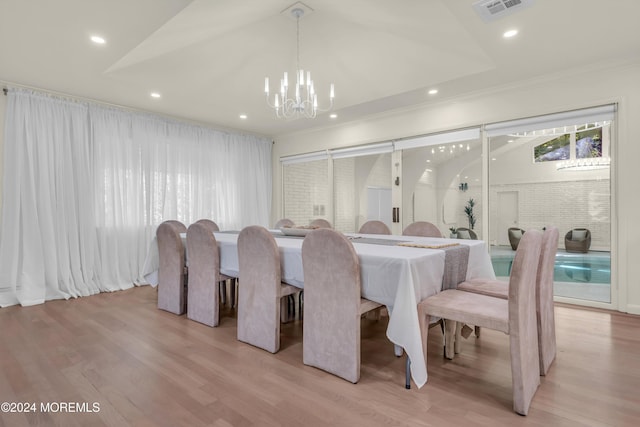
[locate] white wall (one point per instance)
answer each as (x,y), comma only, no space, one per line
(586,87)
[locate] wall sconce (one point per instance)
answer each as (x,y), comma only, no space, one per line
(463,186)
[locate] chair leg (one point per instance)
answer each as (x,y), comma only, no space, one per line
(477,331)
(458,338)
(301,303)
(449,338)
(223,291)
(407,383)
(232,292)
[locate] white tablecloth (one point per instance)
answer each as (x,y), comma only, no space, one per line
(396,276)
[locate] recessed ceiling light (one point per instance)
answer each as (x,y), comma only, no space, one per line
(493,158)
(155,95)
(243,116)
(510,33)
(433,91)
(98,40)
(333,115)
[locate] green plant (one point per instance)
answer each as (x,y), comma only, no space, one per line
(468,210)
(453,230)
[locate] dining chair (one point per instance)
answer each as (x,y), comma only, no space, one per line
(209,223)
(320,223)
(333,304)
(233,284)
(515,316)
(545,318)
(205,279)
(172,272)
(422,229)
(262,289)
(284,222)
(374,227)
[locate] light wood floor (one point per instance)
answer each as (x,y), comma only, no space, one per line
(147,367)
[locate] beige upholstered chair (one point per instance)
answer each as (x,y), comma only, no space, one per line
(261,290)
(333,305)
(320,223)
(422,229)
(172,274)
(515,234)
(466,233)
(544,297)
(210,224)
(284,222)
(578,240)
(374,227)
(205,280)
(226,279)
(515,317)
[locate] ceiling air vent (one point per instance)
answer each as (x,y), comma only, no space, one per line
(490,10)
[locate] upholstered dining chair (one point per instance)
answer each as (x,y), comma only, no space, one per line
(233,284)
(172,272)
(545,317)
(515,316)
(320,223)
(422,229)
(261,290)
(209,223)
(333,304)
(374,227)
(205,280)
(284,222)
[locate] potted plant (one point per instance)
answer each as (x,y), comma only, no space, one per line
(454,233)
(468,210)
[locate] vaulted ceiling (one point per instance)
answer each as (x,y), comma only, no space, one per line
(208,59)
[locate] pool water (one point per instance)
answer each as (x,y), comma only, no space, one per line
(579,268)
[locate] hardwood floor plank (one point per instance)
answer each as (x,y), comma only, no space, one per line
(146,367)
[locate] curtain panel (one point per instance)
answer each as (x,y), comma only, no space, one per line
(86,185)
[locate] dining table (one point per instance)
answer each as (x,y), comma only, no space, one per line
(396,271)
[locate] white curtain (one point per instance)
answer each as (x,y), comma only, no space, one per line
(85,187)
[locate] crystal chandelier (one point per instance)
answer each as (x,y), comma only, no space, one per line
(304,103)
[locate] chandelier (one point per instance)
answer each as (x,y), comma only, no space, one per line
(304,102)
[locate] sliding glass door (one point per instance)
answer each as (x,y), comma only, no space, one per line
(555,170)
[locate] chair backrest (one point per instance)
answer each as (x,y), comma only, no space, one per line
(204,271)
(320,223)
(260,281)
(374,227)
(180,227)
(544,298)
(422,229)
(284,222)
(331,333)
(211,224)
(523,330)
(171,277)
